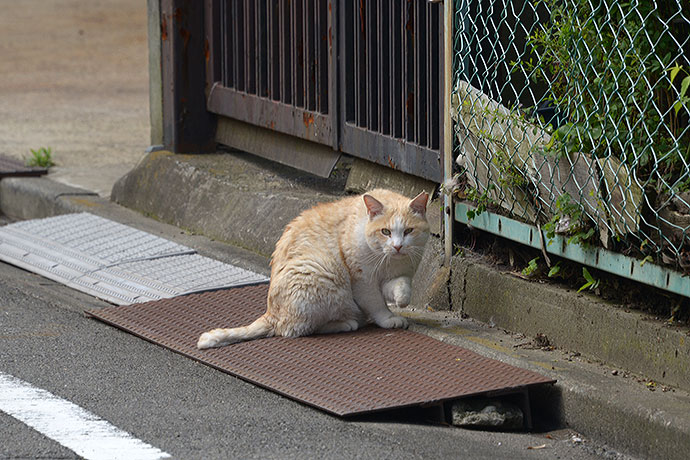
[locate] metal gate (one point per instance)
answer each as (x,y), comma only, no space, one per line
(363,77)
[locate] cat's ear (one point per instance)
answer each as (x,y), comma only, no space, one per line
(418,203)
(374,206)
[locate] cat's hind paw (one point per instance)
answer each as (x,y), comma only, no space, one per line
(394,322)
(339,326)
(208,339)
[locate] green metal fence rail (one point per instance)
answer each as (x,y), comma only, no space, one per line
(572,116)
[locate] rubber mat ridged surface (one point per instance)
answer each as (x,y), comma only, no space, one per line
(113,261)
(345,374)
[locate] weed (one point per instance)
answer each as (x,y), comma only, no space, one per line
(42,158)
(532,267)
(577,229)
(482,200)
(555,270)
(591,283)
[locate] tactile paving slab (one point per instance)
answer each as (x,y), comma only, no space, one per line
(113,261)
(9,167)
(351,373)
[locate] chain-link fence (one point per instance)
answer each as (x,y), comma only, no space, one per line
(573,114)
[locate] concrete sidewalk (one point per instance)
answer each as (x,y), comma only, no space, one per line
(75,79)
(600,401)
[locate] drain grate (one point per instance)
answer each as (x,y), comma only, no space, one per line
(9,167)
(345,374)
(113,261)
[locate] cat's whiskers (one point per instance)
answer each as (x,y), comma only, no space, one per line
(415,254)
(379,264)
(377,261)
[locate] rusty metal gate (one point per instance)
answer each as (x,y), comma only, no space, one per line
(362,77)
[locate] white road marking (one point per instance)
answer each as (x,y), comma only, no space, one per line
(70,425)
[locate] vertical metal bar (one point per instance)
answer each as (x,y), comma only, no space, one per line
(408,53)
(397,98)
(263,49)
(238,49)
(309,55)
(287,70)
(304,22)
(325,38)
(431,80)
(402,76)
(356,39)
(214,19)
(293,51)
(275,57)
(372,67)
(360,64)
(228,45)
(291,47)
(366,37)
(247,45)
(435,35)
(187,125)
(385,76)
(268,17)
(317,54)
(379,55)
(349,67)
(298,26)
(251,46)
(218,49)
(256,48)
(344,47)
(447,150)
(421,72)
(416,55)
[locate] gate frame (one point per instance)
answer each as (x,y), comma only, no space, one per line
(187,127)
(189,95)
(261,111)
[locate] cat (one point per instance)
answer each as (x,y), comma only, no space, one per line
(338,266)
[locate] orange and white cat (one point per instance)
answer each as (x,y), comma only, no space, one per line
(339,265)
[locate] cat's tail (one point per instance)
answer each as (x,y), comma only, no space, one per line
(259,329)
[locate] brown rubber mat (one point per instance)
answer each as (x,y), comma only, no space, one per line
(345,374)
(10,167)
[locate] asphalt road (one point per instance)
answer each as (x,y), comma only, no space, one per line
(191,411)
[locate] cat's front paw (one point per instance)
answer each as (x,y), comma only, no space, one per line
(402,295)
(397,292)
(207,340)
(394,322)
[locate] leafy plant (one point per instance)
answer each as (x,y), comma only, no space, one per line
(577,228)
(683,97)
(532,267)
(43,158)
(508,173)
(607,69)
(482,200)
(555,270)
(591,283)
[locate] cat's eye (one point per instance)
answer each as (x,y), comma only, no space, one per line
(408,231)
(386,232)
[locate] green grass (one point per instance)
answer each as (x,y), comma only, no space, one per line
(43,158)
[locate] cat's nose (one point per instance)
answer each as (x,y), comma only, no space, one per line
(397,248)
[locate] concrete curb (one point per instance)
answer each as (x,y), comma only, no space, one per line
(572,321)
(620,412)
(237,199)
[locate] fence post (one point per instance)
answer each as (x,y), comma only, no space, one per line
(447,147)
(187,126)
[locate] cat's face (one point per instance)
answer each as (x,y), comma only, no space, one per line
(397,230)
